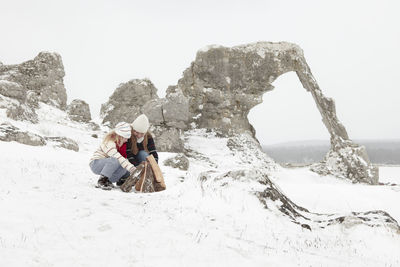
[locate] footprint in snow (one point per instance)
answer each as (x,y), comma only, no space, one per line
(104,228)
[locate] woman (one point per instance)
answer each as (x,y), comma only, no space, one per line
(141,143)
(110,159)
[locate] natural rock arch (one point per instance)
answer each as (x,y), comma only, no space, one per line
(223,84)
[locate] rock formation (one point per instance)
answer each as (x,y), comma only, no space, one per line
(42,76)
(79,111)
(223,84)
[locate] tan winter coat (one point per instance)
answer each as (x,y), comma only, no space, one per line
(109,149)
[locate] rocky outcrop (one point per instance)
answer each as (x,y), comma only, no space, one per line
(348,160)
(10,133)
(43,76)
(28,83)
(79,111)
(127,101)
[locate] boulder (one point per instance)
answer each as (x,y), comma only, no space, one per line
(167,139)
(127,101)
(79,111)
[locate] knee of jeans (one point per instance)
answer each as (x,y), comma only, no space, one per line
(143,153)
(114,161)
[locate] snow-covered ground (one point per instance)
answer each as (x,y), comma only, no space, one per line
(52,215)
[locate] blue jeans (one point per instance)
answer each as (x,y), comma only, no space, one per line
(108,167)
(141,156)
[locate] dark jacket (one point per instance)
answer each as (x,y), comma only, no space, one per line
(151,149)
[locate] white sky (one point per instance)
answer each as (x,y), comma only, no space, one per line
(352,48)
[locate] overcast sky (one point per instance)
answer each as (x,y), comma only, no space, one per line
(352,47)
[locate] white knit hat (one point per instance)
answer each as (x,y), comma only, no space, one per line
(141,124)
(123,129)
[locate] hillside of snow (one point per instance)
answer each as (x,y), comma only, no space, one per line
(52,215)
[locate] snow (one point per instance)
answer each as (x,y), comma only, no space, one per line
(52,215)
(262,47)
(209,47)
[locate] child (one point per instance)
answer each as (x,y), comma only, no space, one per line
(109,160)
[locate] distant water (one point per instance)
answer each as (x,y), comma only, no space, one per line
(310,151)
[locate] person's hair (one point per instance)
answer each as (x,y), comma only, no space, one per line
(134,147)
(114,137)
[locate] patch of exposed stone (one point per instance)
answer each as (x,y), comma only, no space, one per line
(10,133)
(276,201)
(179,162)
(273,198)
(63,142)
(22,112)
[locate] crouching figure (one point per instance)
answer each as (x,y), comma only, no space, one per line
(110,159)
